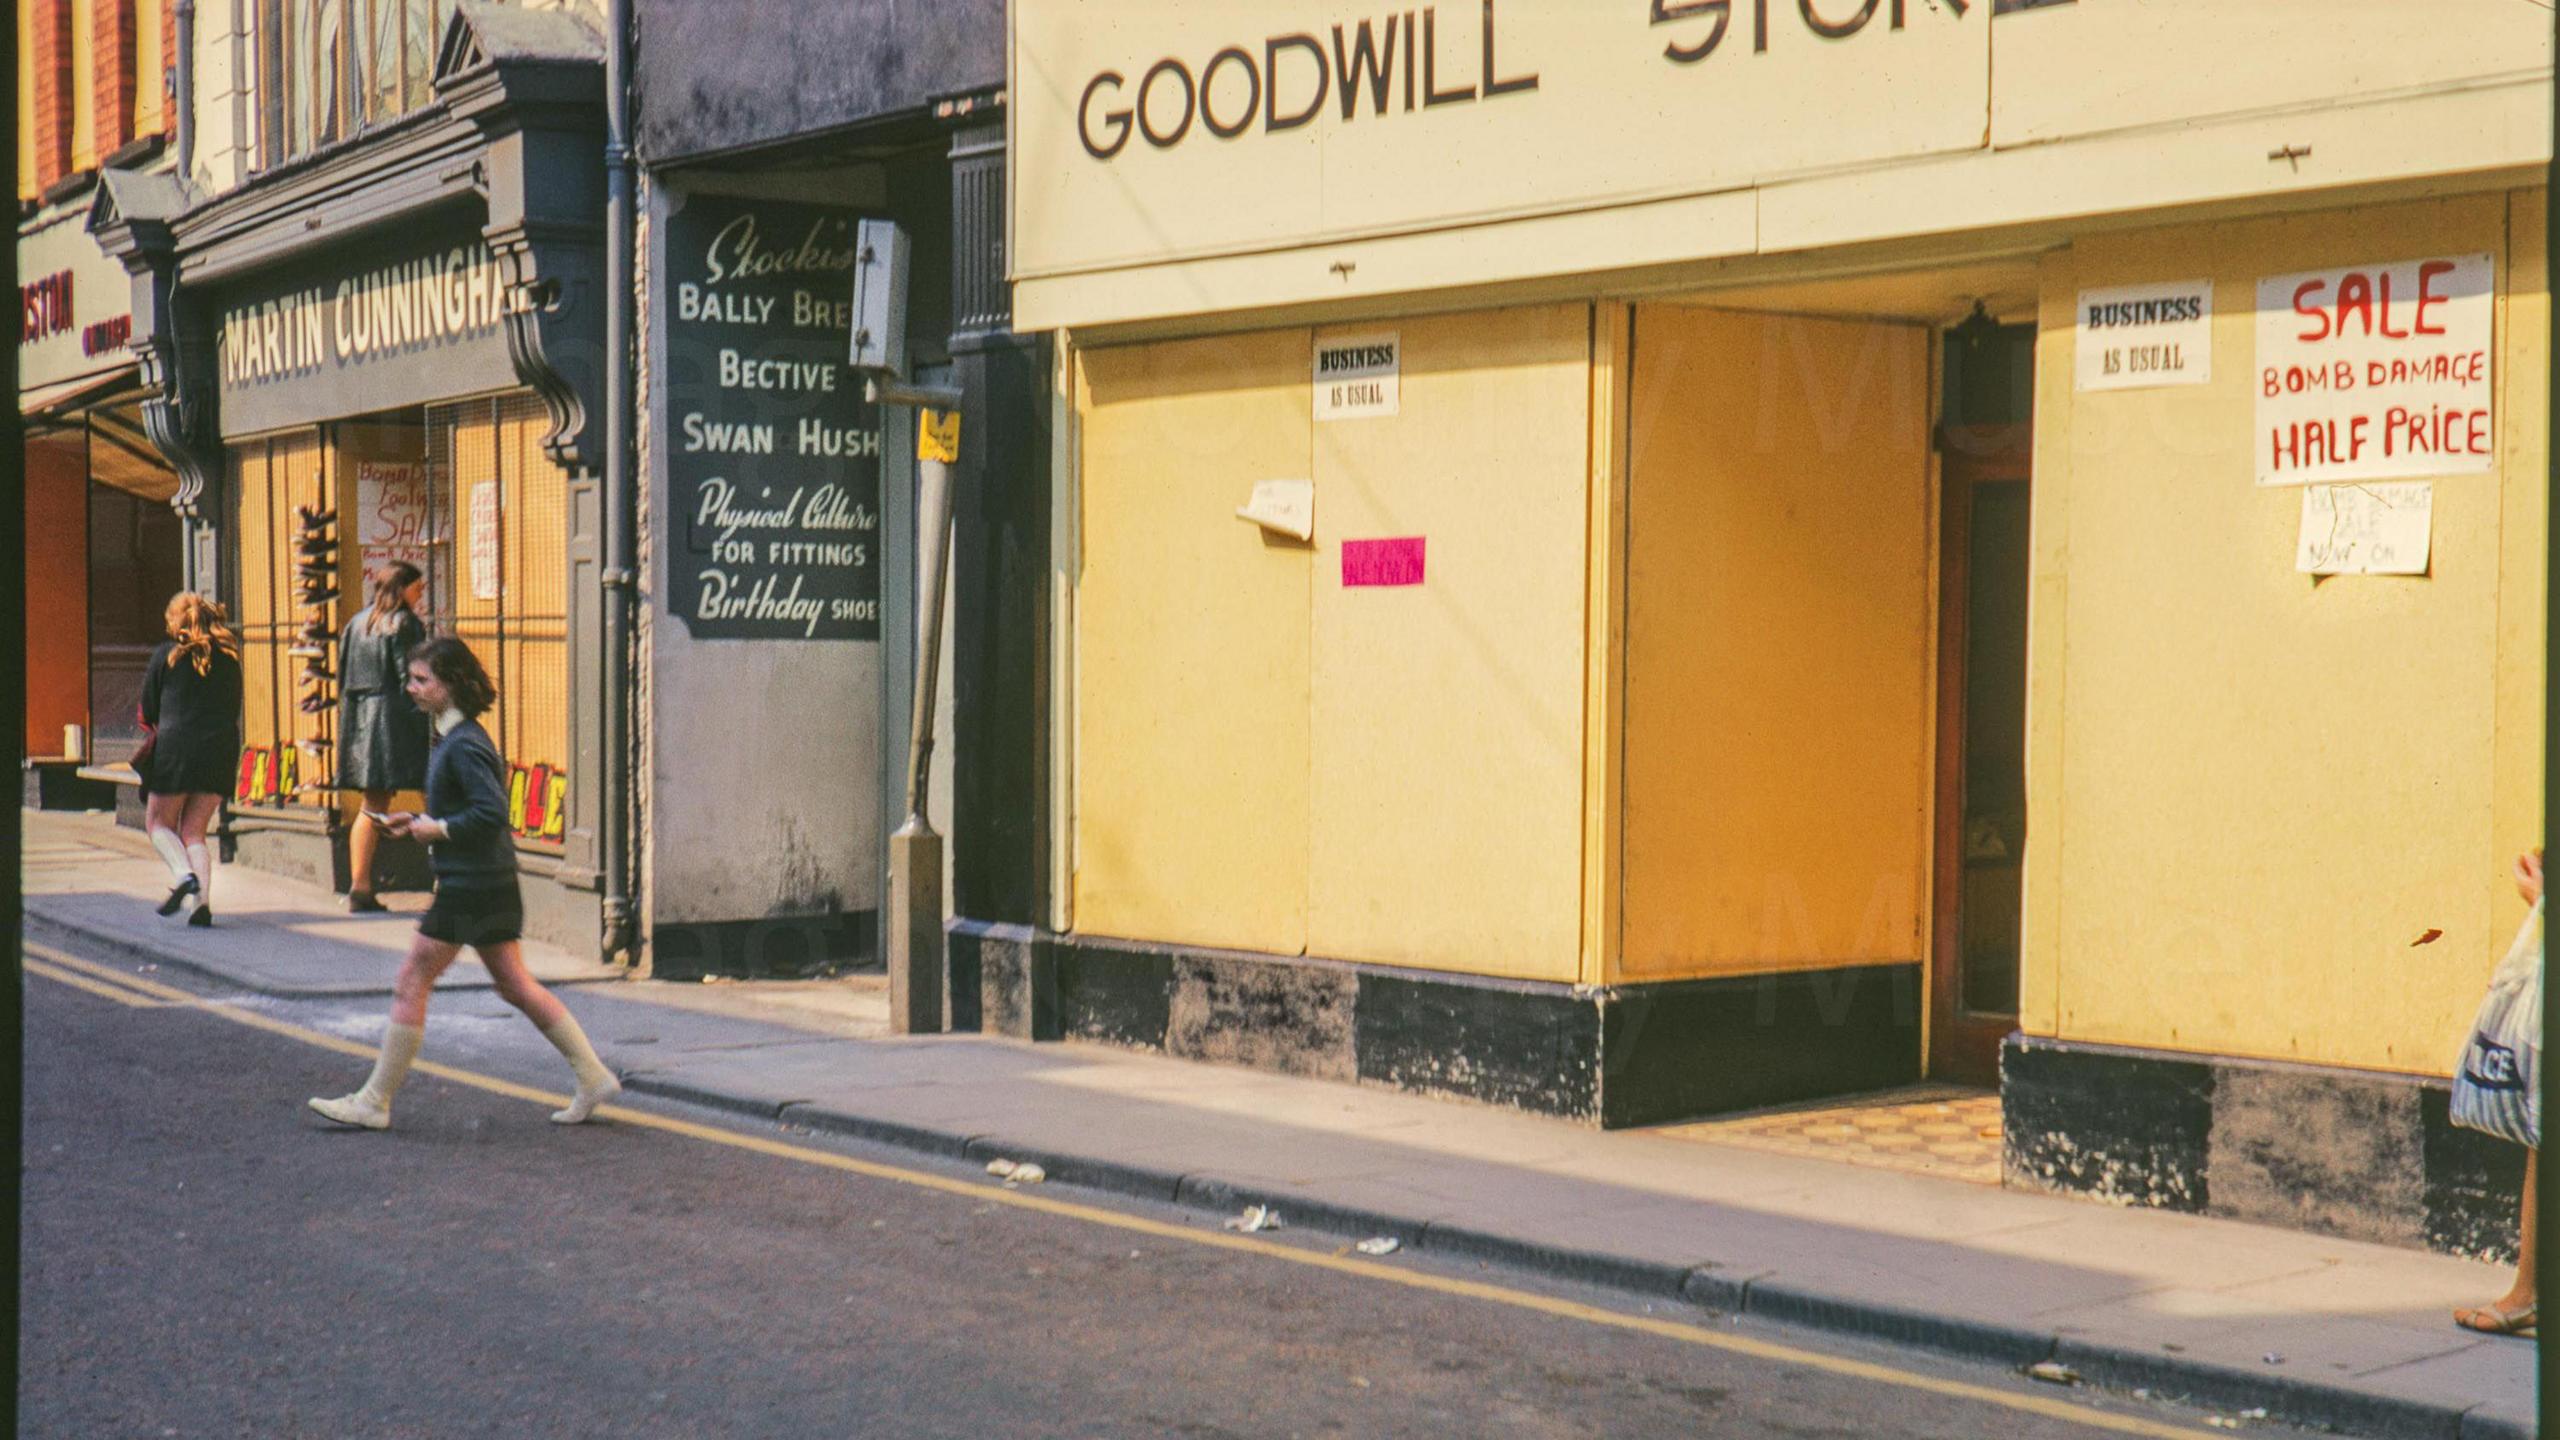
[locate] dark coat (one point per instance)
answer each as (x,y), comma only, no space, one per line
(197,717)
(382,737)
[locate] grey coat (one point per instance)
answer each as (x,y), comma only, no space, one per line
(382,737)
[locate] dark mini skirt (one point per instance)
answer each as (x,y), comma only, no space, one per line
(475,915)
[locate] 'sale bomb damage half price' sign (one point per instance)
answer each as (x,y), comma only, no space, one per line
(2377,372)
(773,454)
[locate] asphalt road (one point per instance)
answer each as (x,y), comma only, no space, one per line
(204,1257)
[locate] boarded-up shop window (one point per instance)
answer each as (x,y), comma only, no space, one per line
(286,756)
(502,585)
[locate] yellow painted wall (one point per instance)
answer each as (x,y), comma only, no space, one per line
(2252,793)
(1446,784)
(1269,760)
(1191,647)
(1778,628)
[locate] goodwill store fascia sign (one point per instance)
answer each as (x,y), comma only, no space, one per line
(1226,125)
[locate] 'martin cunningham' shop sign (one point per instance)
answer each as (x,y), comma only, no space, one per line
(363,334)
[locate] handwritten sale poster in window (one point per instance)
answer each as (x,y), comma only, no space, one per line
(2376,372)
(391,514)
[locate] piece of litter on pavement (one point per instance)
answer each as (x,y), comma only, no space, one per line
(1256,1219)
(1001,1168)
(1026,1173)
(2222,1422)
(2254,1412)
(1379,1245)
(2274,1359)
(2053,1372)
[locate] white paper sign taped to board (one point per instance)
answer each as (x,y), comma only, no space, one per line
(2377,372)
(2134,337)
(1356,376)
(2366,529)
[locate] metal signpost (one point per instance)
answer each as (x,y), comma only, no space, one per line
(915,945)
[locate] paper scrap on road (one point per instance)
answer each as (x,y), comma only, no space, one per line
(1256,1219)
(1379,1245)
(2053,1372)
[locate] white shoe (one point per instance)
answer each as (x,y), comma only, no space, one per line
(358,1109)
(581,1107)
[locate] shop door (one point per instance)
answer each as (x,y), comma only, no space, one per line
(1982,709)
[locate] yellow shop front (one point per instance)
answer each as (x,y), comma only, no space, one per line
(1633,630)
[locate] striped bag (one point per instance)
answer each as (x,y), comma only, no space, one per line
(2498,1086)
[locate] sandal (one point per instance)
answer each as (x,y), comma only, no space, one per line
(2493,1320)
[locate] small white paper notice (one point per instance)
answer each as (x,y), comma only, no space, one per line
(1286,507)
(484,540)
(2366,529)
(2138,336)
(1356,375)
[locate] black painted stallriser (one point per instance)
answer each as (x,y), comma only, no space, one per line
(1632,1055)
(2350,1153)
(781,947)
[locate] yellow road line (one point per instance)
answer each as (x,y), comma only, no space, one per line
(108,973)
(1682,1331)
(81,982)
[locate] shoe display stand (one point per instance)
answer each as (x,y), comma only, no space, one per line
(317,643)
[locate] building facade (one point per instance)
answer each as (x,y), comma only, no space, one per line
(1639,561)
(385,343)
(101,547)
(778,573)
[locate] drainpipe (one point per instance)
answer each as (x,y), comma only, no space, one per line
(621,937)
(184,100)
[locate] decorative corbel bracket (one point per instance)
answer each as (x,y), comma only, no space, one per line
(133,216)
(532,84)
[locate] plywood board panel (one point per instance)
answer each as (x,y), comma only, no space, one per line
(1778,760)
(1447,738)
(2275,787)
(1191,646)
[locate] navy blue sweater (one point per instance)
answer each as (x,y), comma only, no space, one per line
(467,790)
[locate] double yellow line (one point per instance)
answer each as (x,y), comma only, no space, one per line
(101,981)
(141,993)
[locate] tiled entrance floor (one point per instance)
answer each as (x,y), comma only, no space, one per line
(1951,1131)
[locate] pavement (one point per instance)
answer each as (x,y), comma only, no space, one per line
(2251,1321)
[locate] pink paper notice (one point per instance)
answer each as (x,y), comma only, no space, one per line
(1382,562)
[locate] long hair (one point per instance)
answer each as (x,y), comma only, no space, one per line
(460,672)
(391,590)
(200,627)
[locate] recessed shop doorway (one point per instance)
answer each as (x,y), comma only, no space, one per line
(1825,656)
(1984,446)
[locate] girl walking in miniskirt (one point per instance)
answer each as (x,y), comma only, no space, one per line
(477,901)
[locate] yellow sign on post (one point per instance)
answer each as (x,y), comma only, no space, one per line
(938,435)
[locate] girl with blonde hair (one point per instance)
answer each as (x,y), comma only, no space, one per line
(191,706)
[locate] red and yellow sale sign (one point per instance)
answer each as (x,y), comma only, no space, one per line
(2377,372)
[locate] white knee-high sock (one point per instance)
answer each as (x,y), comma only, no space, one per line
(200,861)
(173,854)
(399,1047)
(596,1084)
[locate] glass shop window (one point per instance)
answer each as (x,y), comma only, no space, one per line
(328,69)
